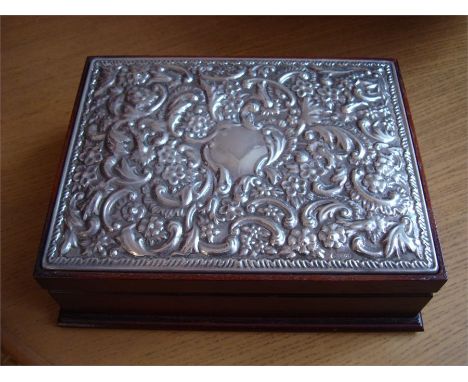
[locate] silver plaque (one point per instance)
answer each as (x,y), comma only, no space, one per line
(241,165)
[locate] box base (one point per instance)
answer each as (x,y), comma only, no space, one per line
(312,324)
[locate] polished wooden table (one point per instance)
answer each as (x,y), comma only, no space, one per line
(42,60)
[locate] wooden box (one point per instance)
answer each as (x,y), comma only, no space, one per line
(213,193)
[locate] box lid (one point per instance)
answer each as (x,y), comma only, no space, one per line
(240,165)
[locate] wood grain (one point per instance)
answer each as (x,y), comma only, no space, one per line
(42,59)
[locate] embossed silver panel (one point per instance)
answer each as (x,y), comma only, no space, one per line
(241,165)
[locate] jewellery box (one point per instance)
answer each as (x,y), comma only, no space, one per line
(282,194)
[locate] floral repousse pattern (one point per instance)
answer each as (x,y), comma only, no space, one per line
(330,185)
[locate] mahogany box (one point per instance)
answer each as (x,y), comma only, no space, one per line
(216,193)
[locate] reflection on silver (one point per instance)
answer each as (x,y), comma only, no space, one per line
(250,165)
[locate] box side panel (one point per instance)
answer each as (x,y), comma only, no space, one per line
(242,284)
(243,306)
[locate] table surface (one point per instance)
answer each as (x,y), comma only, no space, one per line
(42,60)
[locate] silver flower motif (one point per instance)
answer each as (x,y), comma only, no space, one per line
(294,186)
(306,167)
(308,171)
(230,209)
(348,84)
(140,97)
(292,119)
(85,175)
(305,242)
(375,227)
(174,174)
(386,164)
(320,154)
(91,155)
(383,164)
(272,212)
(132,211)
(209,231)
(169,155)
(305,85)
(296,190)
(261,188)
(153,229)
(333,236)
(330,96)
(102,244)
(254,241)
(376,183)
(376,114)
(274,110)
(199,123)
(133,75)
(378,119)
(231,105)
